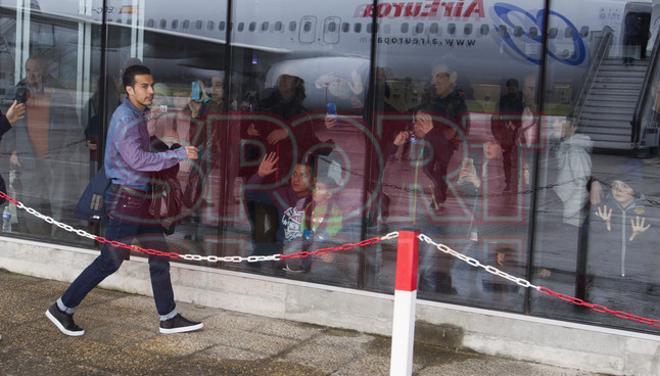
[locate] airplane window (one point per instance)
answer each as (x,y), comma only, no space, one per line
(163,23)
(552,33)
(150,23)
(533,32)
(518,31)
(278,26)
(264,26)
(252,26)
(584,31)
(568,33)
(404,27)
(221,25)
(241,26)
(434,28)
(419,28)
(484,29)
(210,25)
(504,32)
(307,27)
(198,25)
(369,25)
(346,27)
(186,24)
(387,28)
(357,27)
(292,26)
(451,28)
(175,24)
(467,29)
(332,27)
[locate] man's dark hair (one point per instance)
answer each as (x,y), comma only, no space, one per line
(128,79)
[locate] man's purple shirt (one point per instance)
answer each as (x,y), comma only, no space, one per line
(128,158)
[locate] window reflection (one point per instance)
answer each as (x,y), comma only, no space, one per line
(48,156)
(445,138)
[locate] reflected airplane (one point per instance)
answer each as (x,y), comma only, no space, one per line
(329,44)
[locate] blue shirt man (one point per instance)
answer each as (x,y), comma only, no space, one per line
(128,162)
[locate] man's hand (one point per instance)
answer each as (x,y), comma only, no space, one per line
(423,124)
(276,136)
(401,138)
(195,108)
(267,165)
(252,131)
(16,112)
(14,162)
(192,152)
(330,121)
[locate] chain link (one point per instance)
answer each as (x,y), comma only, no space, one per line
(390,236)
(476,263)
(544,290)
(341,248)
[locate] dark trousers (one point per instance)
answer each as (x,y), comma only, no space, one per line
(510,161)
(437,172)
(150,235)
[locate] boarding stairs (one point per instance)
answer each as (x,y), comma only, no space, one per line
(610,103)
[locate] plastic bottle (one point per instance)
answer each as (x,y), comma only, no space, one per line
(6,219)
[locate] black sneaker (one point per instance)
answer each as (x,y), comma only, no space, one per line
(179,324)
(63,321)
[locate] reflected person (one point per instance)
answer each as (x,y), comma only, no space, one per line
(49,149)
(445,130)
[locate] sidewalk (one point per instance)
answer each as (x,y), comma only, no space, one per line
(122,339)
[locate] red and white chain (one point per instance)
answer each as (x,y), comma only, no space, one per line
(475,263)
(193,257)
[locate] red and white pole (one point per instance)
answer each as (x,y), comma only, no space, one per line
(405,295)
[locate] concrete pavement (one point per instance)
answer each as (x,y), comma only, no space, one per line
(122,339)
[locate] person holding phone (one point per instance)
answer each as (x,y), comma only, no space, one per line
(292,135)
(42,147)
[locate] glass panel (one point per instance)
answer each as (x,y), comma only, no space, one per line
(596,214)
(298,99)
(187,109)
(449,160)
(50,60)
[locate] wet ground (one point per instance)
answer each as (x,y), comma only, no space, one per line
(122,339)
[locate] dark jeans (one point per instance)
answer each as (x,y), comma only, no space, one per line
(437,172)
(150,235)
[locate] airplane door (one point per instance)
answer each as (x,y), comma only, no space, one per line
(331,29)
(307,29)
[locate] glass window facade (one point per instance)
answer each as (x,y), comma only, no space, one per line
(531,147)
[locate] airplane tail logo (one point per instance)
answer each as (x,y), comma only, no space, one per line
(527,44)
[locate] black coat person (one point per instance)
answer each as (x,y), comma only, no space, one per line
(506,130)
(636,36)
(447,105)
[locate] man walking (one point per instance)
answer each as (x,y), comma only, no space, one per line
(129,163)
